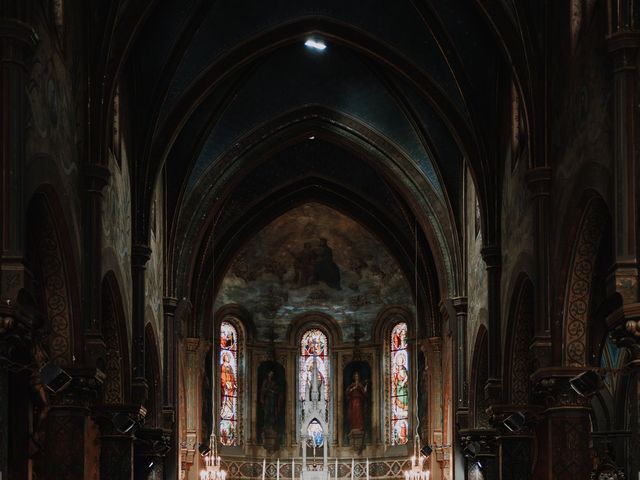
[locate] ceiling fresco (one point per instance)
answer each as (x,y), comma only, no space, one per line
(314,259)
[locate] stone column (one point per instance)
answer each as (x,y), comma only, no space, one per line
(17,45)
(539,182)
(139,258)
(64,455)
(493,260)
(150,447)
(96,178)
(116,447)
(189,445)
(454,312)
(564,431)
(170,386)
(515,448)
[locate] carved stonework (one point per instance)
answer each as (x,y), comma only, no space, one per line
(113,367)
(578,293)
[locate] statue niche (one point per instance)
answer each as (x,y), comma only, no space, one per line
(270,403)
(357,405)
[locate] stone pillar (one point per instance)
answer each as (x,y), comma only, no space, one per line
(170,386)
(139,258)
(493,260)
(116,447)
(96,178)
(539,182)
(65,452)
(564,432)
(150,447)
(623,42)
(515,448)
(455,312)
(17,45)
(189,445)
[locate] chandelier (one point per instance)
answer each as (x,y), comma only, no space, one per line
(417,471)
(212,467)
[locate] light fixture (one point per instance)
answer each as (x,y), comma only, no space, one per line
(123,423)
(312,137)
(204,449)
(314,44)
(514,422)
(212,463)
(471,449)
(426,451)
(54,378)
(586,384)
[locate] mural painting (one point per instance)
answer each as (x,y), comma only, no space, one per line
(314,258)
(357,404)
(271,401)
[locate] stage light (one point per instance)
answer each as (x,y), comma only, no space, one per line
(123,423)
(472,449)
(54,378)
(204,449)
(314,44)
(514,422)
(426,451)
(586,384)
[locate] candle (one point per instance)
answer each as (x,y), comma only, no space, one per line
(278,469)
(264,467)
(353,468)
(367,468)
(335,476)
(293,468)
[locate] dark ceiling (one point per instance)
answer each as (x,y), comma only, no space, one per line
(227,98)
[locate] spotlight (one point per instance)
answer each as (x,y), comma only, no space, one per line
(123,422)
(315,44)
(586,384)
(471,450)
(514,422)
(204,449)
(426,451)
(54,378)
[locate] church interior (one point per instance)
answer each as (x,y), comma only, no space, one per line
(303,240)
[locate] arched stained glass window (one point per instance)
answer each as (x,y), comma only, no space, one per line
(228,362)
(399,387)
(314,348)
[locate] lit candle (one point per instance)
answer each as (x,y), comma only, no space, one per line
(353,467)
(335,475)
(278,470)
(264,467)
(203,474)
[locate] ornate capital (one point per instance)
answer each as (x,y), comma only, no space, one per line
(84,389)
(491,256)
(153,442)
(539,181)
(104,417)
(552,387)
(478,442)
(140,255)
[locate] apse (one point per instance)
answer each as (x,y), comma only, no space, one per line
(314,259)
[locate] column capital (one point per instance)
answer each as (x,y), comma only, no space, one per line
(140,255)
(622,45)
(539,181)
(552,386)
(18,41)
(83,390)
(104,416)
(96,177)
(492,256)
(169,304)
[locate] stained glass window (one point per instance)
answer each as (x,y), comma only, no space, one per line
(399,388)
(314,431)
(314,348)
(228,384)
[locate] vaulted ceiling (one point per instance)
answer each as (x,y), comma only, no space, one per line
(247,122)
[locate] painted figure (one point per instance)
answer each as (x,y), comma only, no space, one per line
(326,269)
(270,401)
(357,397)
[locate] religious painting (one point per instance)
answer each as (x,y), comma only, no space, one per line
(228,384)
(314,357)
(314,258)
(270,418)
(357,391)
(400,384)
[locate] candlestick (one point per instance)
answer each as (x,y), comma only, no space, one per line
(293,468)
(278,470)
(335,475)
(264,467)
(353,467)
(367,468)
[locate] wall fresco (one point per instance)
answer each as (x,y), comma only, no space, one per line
(313,258)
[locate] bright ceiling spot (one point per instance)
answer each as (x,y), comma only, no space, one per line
(315,44)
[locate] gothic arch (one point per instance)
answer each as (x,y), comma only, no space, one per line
(53,265)
(118,377)
(520,332)
(580,277)
(307,320)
